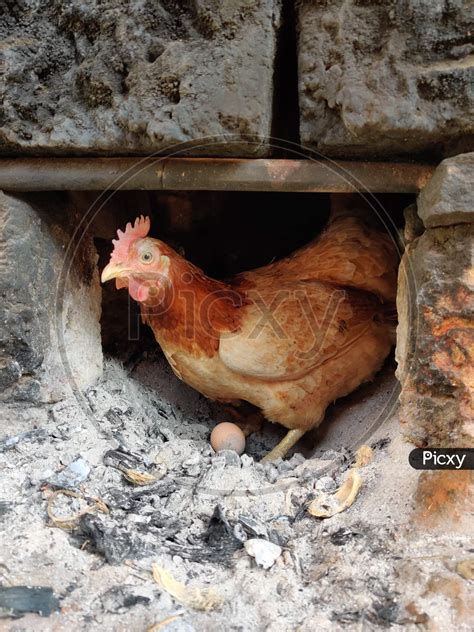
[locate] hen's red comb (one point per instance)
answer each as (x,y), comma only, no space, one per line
(122,245)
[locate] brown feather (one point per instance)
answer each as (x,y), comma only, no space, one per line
(196,310)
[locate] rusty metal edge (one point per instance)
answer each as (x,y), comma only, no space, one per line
(211,174)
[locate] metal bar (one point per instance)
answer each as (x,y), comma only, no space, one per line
(210,174)
(79,174)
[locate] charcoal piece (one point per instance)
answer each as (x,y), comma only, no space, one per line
(217,544)
(219,541)
(384,612)
(38,434)
(122,458)
(115,417)
(381,443)
(343,535)
(254,527)
(15,601)
(219,534)
(275,537)
(348,616)
(119,599)
(164,527)
(132,501)
(116,543)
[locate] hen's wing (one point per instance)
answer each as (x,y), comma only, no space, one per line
(290,328)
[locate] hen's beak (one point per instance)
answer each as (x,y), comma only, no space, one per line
(113,271)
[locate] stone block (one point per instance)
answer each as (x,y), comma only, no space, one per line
(435,338)
(51,300)
(448,198)
(137,77)
(381,79)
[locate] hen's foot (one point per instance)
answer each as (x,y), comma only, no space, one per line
(280,450)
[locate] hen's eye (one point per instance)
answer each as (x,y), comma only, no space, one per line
(146,257)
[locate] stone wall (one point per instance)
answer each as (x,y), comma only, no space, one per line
(383,79)
(374,79)
(137,77)
(436,312)
(50,339)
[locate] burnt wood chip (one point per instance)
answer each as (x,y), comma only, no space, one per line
(15,601)
(254,528)
(117,418)
(132,501)
(123,458)
(348,616)
(115,542)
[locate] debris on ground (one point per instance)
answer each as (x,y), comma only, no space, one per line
(326,506)
(69,520)
(119,599)
(93,496)
(264,552)
(15,601)
(71,476)
(37,434)
(364,456)
(189,596)
(466,568)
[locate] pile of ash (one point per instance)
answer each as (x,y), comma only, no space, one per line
(98,491)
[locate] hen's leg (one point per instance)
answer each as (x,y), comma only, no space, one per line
(288,441)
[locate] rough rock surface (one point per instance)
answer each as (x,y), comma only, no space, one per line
(136,76)
(448,197)
(38,301)
(436,339)
(381,79)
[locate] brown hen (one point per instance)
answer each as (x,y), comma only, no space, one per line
(290,337)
